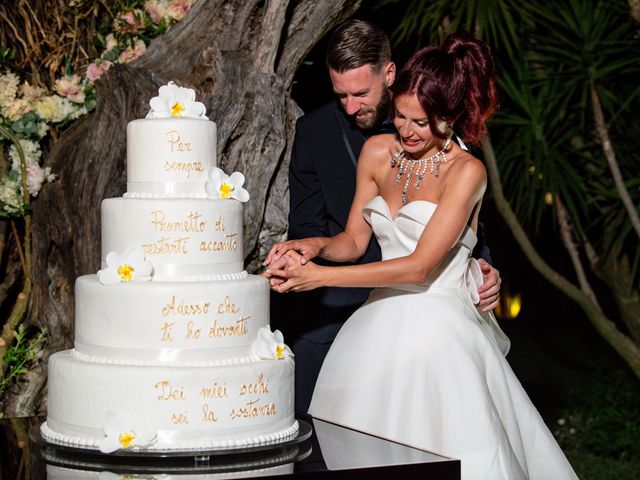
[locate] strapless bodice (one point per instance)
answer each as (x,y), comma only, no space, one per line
(398,236)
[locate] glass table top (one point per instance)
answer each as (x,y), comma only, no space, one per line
(320,450)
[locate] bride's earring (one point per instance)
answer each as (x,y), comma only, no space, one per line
(448,131)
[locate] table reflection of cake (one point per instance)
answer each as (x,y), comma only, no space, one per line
(172,348)
(63,473)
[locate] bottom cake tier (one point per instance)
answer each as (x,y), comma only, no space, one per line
(157,407)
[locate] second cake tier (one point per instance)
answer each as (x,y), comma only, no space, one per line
(184,238)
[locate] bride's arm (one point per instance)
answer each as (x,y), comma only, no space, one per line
(460,197)
(351,244)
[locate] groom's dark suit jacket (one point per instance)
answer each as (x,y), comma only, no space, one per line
(322,182)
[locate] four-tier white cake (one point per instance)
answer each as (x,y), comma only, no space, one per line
(172,342)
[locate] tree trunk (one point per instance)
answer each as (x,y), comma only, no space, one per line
(240,56)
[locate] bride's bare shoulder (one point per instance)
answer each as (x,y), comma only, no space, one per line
(380,147)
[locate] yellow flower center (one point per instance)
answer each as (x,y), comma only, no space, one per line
(225,190)
(126,439)
(280,351)
(126,272)
(176,109)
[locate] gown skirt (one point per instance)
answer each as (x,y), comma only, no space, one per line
(420,365)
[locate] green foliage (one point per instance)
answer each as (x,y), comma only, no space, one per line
(604,419)
(496,21)
(7,54)
(21,354)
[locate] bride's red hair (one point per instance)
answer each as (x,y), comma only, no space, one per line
(455,83)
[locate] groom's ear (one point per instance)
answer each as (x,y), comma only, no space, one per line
(390,73)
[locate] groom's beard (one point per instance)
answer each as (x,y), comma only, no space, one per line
(372,117)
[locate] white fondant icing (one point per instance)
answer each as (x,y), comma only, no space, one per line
(170,155)
(170,322)
(180,237)
(190,407)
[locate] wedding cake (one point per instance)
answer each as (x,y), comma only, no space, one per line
(172,348)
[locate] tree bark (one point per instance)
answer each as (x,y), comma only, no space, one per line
(240,56)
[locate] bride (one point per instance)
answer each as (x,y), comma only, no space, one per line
(418,363)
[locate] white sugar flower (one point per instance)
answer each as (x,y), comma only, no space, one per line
(221,185)
(131,266)
(123,431)
(270,345)
(175,101)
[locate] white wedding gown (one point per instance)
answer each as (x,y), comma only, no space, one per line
(420,365)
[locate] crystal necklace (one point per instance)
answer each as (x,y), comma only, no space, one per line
(419,167)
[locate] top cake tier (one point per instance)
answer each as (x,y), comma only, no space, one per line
(169,157)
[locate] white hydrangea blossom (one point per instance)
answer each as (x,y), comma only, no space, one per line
(10,195)
(55,109)
(9,82)
(32,154)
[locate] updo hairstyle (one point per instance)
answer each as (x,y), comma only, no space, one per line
(454,83)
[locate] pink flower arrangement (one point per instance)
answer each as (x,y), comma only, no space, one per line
(97,68)
(69,87)
(35,179)
(132,21)
(155,9)
(179,8)
(130,54)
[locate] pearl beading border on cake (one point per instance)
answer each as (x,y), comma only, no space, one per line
(133,362)
(165,195)
(204,278)
(257,440)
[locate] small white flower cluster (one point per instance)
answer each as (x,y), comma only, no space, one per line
(25,111)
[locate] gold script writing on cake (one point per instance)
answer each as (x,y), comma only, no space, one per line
(220,246)
(236,329)
(181,308)
(193,223)
(168,391)
(177,143)
(259,387)
(166,332)
(166,246)
(208,415)
(253,409)
(214,391)
(227,307)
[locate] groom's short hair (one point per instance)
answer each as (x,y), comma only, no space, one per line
(356,43)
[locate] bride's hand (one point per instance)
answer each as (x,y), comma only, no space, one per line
(299,278)
(308,248)
(286,262)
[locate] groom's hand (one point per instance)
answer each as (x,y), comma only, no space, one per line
(489,291)
(286,262)
(308,248)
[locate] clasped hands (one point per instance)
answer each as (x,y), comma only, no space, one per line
(289,266)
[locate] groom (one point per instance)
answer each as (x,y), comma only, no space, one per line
(322,179)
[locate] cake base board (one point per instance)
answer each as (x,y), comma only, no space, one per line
(212,460)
